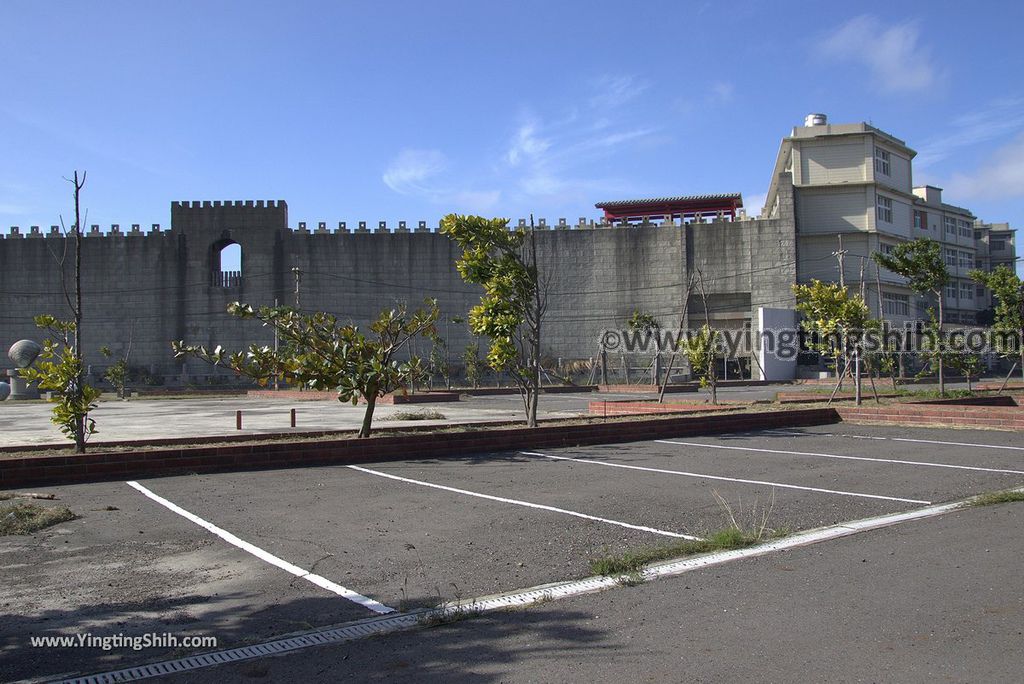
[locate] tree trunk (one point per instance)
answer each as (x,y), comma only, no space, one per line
(371,402)
(531,407)
(941,350)
(80,379)
(856,373)
(533,393)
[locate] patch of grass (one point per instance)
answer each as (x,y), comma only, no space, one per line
(934,393)
(735,535)
(447,615)
(993,498)
(416,415)
(26,518)
(634,561)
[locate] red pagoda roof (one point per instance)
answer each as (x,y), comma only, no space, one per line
(682,206)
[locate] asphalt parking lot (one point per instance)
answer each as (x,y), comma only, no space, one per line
(210,554)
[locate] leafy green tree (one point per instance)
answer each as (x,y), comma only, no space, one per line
(474,367)
(920,262)
(643,322)
(59,369)
(76,398)
(701,350)
(117,373)
(416,373)
(1008,312)
(511,310)
(438,363)
(317,352)
(834,318)
(966,364)
(646,324)
(62,366)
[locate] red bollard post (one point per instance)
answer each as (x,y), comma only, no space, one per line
(293,417)
(238,420)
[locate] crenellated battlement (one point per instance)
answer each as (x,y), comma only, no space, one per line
(219,204)
(382,227)
(93,231)
(186,214)
(220,215)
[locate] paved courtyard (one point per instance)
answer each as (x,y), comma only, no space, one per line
(29,422)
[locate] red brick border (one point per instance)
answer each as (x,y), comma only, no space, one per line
(1000,412)
(809,398)
(49,470)
(648,389)
(632,408)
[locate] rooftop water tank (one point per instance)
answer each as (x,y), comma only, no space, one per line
(815,120)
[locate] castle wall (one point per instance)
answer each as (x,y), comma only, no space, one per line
(154,287)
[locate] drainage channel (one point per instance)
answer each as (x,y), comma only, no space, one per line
(405,621)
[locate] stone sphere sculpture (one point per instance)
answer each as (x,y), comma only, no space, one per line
(24,352)
(5,391)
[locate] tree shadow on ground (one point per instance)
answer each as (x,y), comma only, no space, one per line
(454,651)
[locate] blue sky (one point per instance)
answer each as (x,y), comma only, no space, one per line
(409,110)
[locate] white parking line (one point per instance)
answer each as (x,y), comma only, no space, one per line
(319,581)
(883,439)
(967,444)
(525,503)
(928,464)
(726,479)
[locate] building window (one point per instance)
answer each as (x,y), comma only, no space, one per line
(881,161)
(920,220)
(895,304)
(966,291)
(951,291)
(965,229)
(887,248)
(980,291)
(883,210)
(998,245)
(966,259)
(950,256)
(977,235)
(950,224)
(226,264)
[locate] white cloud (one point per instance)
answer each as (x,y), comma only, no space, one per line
(526,145)
(891,53)
(546,159)
(407,174)
(754,202)
(617,89)
(610,140)
(723,91)
(999,118)
(560,160)
(1001,177)
(475,202)
(418,172)
(15,208)
(541,184)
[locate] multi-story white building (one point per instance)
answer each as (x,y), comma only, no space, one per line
(854,195)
